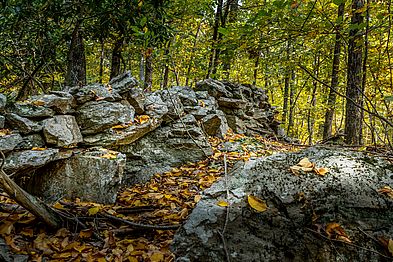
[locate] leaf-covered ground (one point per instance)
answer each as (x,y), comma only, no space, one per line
(167,199)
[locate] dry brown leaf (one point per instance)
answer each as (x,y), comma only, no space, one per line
(335,231)
(305,162)
(39,148)
(256,203)
(321,171)
(38,103)
(390,246)
(386,190)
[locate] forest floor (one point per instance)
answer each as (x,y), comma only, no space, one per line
(104,235)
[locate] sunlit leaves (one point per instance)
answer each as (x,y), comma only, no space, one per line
(305,166)
(256,203)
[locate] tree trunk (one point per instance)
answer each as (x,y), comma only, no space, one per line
(102,59)
(353,116)
(116,58)
(256,65)
(142,69)
(192,52)
(313,102)
(76,69)
(292,103)
(327,128)
(286,86)
(148,69)
(214,50)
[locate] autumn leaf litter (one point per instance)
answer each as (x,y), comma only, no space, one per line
(167,199)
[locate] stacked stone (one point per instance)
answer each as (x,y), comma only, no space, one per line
(77,127)
(246,107)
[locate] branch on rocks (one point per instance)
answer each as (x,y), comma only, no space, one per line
(139,225)
(222,233)
(29,202)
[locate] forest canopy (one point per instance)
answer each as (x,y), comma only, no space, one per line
(325,64)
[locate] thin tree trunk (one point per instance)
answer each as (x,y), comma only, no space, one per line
(353,114)
(313,102)
(286,87)
(256,65)
(102,59)
(166,67)
(214,49)
(142,69)
(76,69)
(364,68)
(327,128)
(116,58)
(192,52)
(149,69)
(292,103)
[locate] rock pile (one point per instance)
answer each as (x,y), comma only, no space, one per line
(56,144)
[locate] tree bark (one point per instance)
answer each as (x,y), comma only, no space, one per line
(102,60)
(327,128)
(148,69)
(313,103)
(353,116)
(214,50)
(116,58)
(76,69)
(192,52)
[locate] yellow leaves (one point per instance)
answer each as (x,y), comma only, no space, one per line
(39,148)
(306,166)
(386,190)
(222,203)
(335,231)
(142,119)
(390,246)
(38,103)
(5,132)
(157,257)
(94,210)
(256,203)
(197,198)
(109,154)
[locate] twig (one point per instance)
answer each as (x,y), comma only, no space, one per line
(139,225)
(349,244)
(222,233)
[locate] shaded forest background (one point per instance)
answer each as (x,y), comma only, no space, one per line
(326,65)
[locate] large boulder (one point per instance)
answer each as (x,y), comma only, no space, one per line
(166,147)
(305,212)
(28,160)
(96,92)
(60,102)
(154,105)
(9,142)
(91,176)
(215,88)
(121,136)
(96,116)
(123,83)
(31,110)
(136,98)
(62,131)
(215,124)
(22,124)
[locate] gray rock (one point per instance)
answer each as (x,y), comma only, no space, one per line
(215,88)
(26,109)
(91,176)
(166,147)
(174,103)
(115,137)
(95,92)
(27,160)
(298,211)
(202,94)
(96,116)
(232,103)
(186,94)
(22,124)
(60,102)
(155,106)
(30,141)
(9,142)
(3,102)
(123,83)
(61,131)
(215,124)
(136,97)
(2,121)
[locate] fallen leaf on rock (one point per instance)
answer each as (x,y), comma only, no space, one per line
(335,231)
(390,246)
(197,198)
(222,203)
(39,148)
(321,171)
(256,203)
(38,103)
(143,119)
(305,163)
(386,190)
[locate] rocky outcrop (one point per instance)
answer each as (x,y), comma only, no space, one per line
(246,107)
(298,213)
(156,131)
(94,175)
